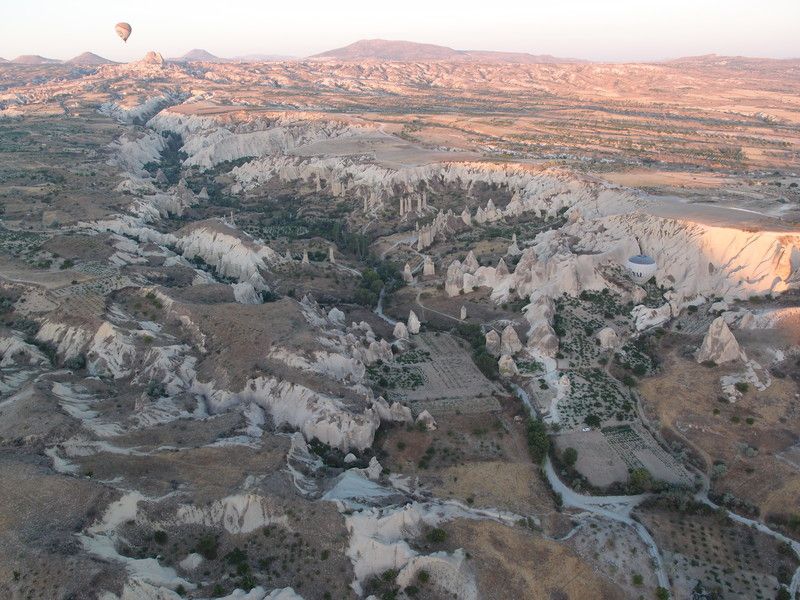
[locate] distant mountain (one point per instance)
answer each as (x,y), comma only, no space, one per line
(198,55)
(34,59)
(401,51)
(88,58)
(3,60)
(731,61)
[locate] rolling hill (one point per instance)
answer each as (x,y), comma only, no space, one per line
(198,55)
(88,58)
(34,59)
(403,51)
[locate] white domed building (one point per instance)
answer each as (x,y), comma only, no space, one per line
(641,267)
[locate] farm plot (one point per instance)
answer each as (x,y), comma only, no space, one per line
(708,552)
(637,448)
(450,380)
(595,397)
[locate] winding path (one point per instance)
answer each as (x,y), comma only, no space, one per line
(618,508)
(615,508)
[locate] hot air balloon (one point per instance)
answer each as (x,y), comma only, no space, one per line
(123,30)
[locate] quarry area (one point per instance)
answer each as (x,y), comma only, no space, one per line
(338,329)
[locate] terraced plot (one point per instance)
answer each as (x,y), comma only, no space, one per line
(452,382)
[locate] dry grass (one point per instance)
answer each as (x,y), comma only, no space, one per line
(516,563)
(685,397)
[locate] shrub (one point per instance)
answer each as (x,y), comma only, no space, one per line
(640,480)
(156,389)
(75,363)
(437,535)
(569,457)
(207,547)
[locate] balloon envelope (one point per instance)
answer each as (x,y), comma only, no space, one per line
(123,30)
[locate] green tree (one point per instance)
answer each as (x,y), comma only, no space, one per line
(569,457)
(592,420)
(538,441)
(640,480)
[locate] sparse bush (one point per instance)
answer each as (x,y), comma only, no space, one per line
(437,535)
(75,363)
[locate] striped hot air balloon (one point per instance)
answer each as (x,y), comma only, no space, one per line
(123,30)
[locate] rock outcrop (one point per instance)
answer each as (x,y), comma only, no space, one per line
(229,251)
(408,277)
(413,323)
(454,280)
(608,338)
(645,317)
(493,342)
(426,420)
(509,341)
(400,331)
(428,268)
(719,345)
(507,366)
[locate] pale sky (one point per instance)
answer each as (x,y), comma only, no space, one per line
(610,30)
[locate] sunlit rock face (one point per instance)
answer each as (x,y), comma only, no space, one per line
(507,366)
(608,338)
(400,331)
(493,342)
(719,345)
(229,252)
(509,341)
(413,323)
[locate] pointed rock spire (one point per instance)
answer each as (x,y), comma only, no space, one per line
(428,268)
(471,263)
(413,323)
(509,341)
(408,277)
(400,331)
(501,270)
(493,342)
